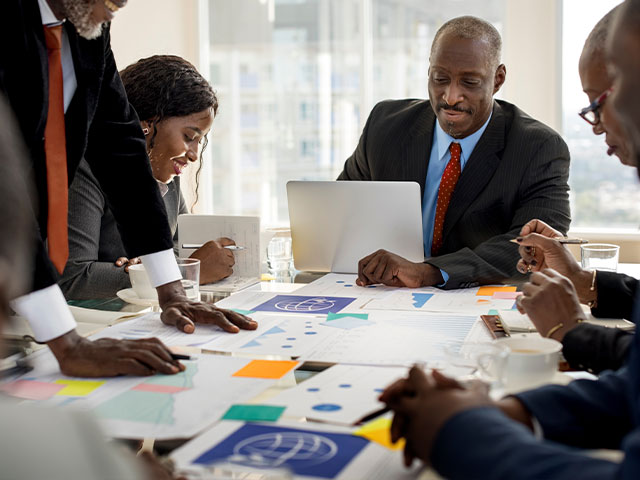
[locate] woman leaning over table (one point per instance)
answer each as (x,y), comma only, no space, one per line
(176,106)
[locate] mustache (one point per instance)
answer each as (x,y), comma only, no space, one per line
(454,108)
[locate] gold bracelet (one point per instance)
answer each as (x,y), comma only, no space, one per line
(554,329)
(592,288)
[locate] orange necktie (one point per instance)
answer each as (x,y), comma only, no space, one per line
(447,185)
(56,152)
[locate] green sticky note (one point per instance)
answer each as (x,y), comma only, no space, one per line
(254,413)
(335,316)
(493,312)
(243,312)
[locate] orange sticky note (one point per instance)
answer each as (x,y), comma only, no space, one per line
(266,369)
(489,291)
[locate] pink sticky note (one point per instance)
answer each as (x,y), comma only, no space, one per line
(157,388)
(506,295)
(31,389)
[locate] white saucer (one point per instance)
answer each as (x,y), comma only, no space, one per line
(130,296)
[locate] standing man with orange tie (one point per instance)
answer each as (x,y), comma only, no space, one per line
(483,166)
(60,78)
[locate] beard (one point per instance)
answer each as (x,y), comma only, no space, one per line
(78,12)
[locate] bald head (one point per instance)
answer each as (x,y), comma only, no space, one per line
(472,28)
(595,44)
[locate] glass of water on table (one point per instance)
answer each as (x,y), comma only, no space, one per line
(190,271)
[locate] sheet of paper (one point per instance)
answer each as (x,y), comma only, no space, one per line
(464,301)
(343,285)
(317,451)
(393,338)
(150,325)
(244,230)
(160,406)
(340,394)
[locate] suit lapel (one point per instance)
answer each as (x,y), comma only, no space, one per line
(478,170)
(417,149)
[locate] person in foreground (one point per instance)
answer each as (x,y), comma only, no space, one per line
(59,76)
(37,442)
(177,107)
(484,167)
(609,294)
(462,433)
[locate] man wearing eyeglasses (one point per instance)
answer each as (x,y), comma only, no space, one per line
(484,166)
(609,294)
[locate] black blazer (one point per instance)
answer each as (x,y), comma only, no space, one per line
(100,125)
(517,171)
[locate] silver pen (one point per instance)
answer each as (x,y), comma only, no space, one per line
(199,245)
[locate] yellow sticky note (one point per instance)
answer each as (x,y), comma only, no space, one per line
(379,431)
(266,369)
(489,291)
(78,388)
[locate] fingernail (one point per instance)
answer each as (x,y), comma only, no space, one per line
(518,239)
(174,369)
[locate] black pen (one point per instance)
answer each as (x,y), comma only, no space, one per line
(372,415)
(180,356)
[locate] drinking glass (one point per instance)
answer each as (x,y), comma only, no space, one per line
(600,256)
(190,271)
(279,252)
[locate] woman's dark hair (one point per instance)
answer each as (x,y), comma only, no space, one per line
(164,86)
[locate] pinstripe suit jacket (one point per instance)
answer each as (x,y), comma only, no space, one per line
(518,171)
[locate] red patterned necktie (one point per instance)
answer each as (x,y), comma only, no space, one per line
(447,185)
(56,154)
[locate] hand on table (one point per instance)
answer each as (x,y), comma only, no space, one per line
(108,357)
(550,299)
(540,251)
(184,313)
(124,261)
(422,404)
(216,262)
(393,270)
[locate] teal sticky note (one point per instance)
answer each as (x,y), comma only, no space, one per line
(243,312)
(493,312)
(254,413)
(335,316)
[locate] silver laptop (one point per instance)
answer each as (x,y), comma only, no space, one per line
(335,224)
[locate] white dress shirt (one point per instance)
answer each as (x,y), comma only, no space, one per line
(46,309)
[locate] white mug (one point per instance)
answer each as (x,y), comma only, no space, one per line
(140,282)
(532,361)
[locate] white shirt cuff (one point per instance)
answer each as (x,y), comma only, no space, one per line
(161,267)
(47,312)
(538,433)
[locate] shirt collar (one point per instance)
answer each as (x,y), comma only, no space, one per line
(164,188)
(48,18)
(467,144)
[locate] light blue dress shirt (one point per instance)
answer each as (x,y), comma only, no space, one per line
(438,161)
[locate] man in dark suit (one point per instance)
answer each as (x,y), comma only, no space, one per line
(463,434)
(61,81)
(505,166)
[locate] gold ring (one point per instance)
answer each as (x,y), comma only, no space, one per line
(533,251)
(529,268)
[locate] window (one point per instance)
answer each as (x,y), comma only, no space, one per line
(296,80)
(604,193)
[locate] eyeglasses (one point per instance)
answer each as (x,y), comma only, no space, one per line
(591,113)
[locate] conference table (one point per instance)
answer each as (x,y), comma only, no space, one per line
(95,316)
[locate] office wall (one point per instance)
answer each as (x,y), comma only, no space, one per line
(148,27)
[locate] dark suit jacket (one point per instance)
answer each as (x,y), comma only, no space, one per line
(100,125)
(586,414)
(517,171)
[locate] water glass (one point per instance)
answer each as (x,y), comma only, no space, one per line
(190,271)
(600,256)
(279,251)
(482,361)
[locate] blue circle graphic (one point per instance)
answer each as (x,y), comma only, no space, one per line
(313,389)
(327,407)
(345,385)
(286,346)
(291,338)
(310,333)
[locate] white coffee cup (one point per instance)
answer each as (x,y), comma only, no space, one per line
(532,361)
(140,282)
